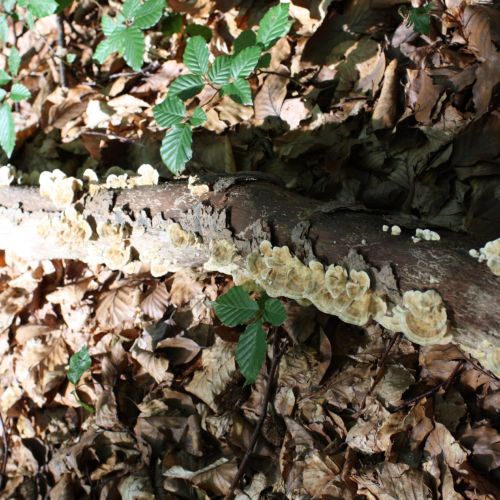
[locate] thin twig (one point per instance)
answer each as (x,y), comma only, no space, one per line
(61,45)
(5,453)
(277,353)
(444,384)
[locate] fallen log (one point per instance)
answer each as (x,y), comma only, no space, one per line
(432,291)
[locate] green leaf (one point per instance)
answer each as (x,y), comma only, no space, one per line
(7,130)
(186,86)
(243,63)
(133,47)
(220,71)
(130,9)
(3,93)
(196,55)
(198,117)
(251,351)
(176,148)
(170,112)
(14,61)
(264,61)
(245,39)
(42,8)
(274,25)
(70,58)
(420,19)
(63,4)
(4,28)
(19,93)
(8,5)
(110,45)
(239,91)
(108,25)
(149,13)
(199,29)
(79,363)
(171,24)
(235,307)
(274,312)
(4,77)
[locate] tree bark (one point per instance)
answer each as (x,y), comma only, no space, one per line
(245,212)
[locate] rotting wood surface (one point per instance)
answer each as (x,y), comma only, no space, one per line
(246,212)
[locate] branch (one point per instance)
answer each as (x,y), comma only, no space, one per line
(218,224)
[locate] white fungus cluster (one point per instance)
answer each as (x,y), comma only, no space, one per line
(490,254)
(59,188)
(7,175)
(147,176)
(425,235)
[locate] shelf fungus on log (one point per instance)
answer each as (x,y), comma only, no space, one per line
(272,239)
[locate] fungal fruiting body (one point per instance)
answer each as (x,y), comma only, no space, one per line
(7,175)
(426,235)
(58,188)
(421,317)
(489,253)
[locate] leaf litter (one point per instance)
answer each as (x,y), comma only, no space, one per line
(358,105)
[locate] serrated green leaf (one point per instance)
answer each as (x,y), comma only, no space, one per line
(243,63)
(4,77)
(108,25)
(220,71)
(199,29)
(420,19)
(245,39)
(169,112)
(7,130)
(235,307)
(110,45)
(177,148)
(42,8)
(186,86)
(274,25)
(149,13)
(3,93)
(130,9)
(198,117)
(274,312)
(19,93)
(79,363)
(251,351)
(264,61)
(14,61)
(239,91)
(4,28)
(196,55)
(134,47)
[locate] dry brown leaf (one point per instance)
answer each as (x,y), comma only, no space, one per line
(156,301)
(219,368)
(269,99)
(118,307)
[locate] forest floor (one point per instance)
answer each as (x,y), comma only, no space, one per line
(356,107)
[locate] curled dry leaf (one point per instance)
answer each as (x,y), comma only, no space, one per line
(156,301)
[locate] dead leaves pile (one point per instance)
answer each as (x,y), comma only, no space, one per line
(355,105)
(164,413)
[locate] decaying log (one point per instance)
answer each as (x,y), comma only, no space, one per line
(220,225)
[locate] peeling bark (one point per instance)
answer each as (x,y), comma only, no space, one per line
(169,227)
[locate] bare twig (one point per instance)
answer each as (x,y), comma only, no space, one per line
(277,353)
(61,46)
(444,384)
(5,453)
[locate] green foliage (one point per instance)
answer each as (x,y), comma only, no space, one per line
(227,74)
(251,351)
(124,34)
(79,363)
(274,25)
(7,129)
(236,307)
(420,19)
(19,92)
